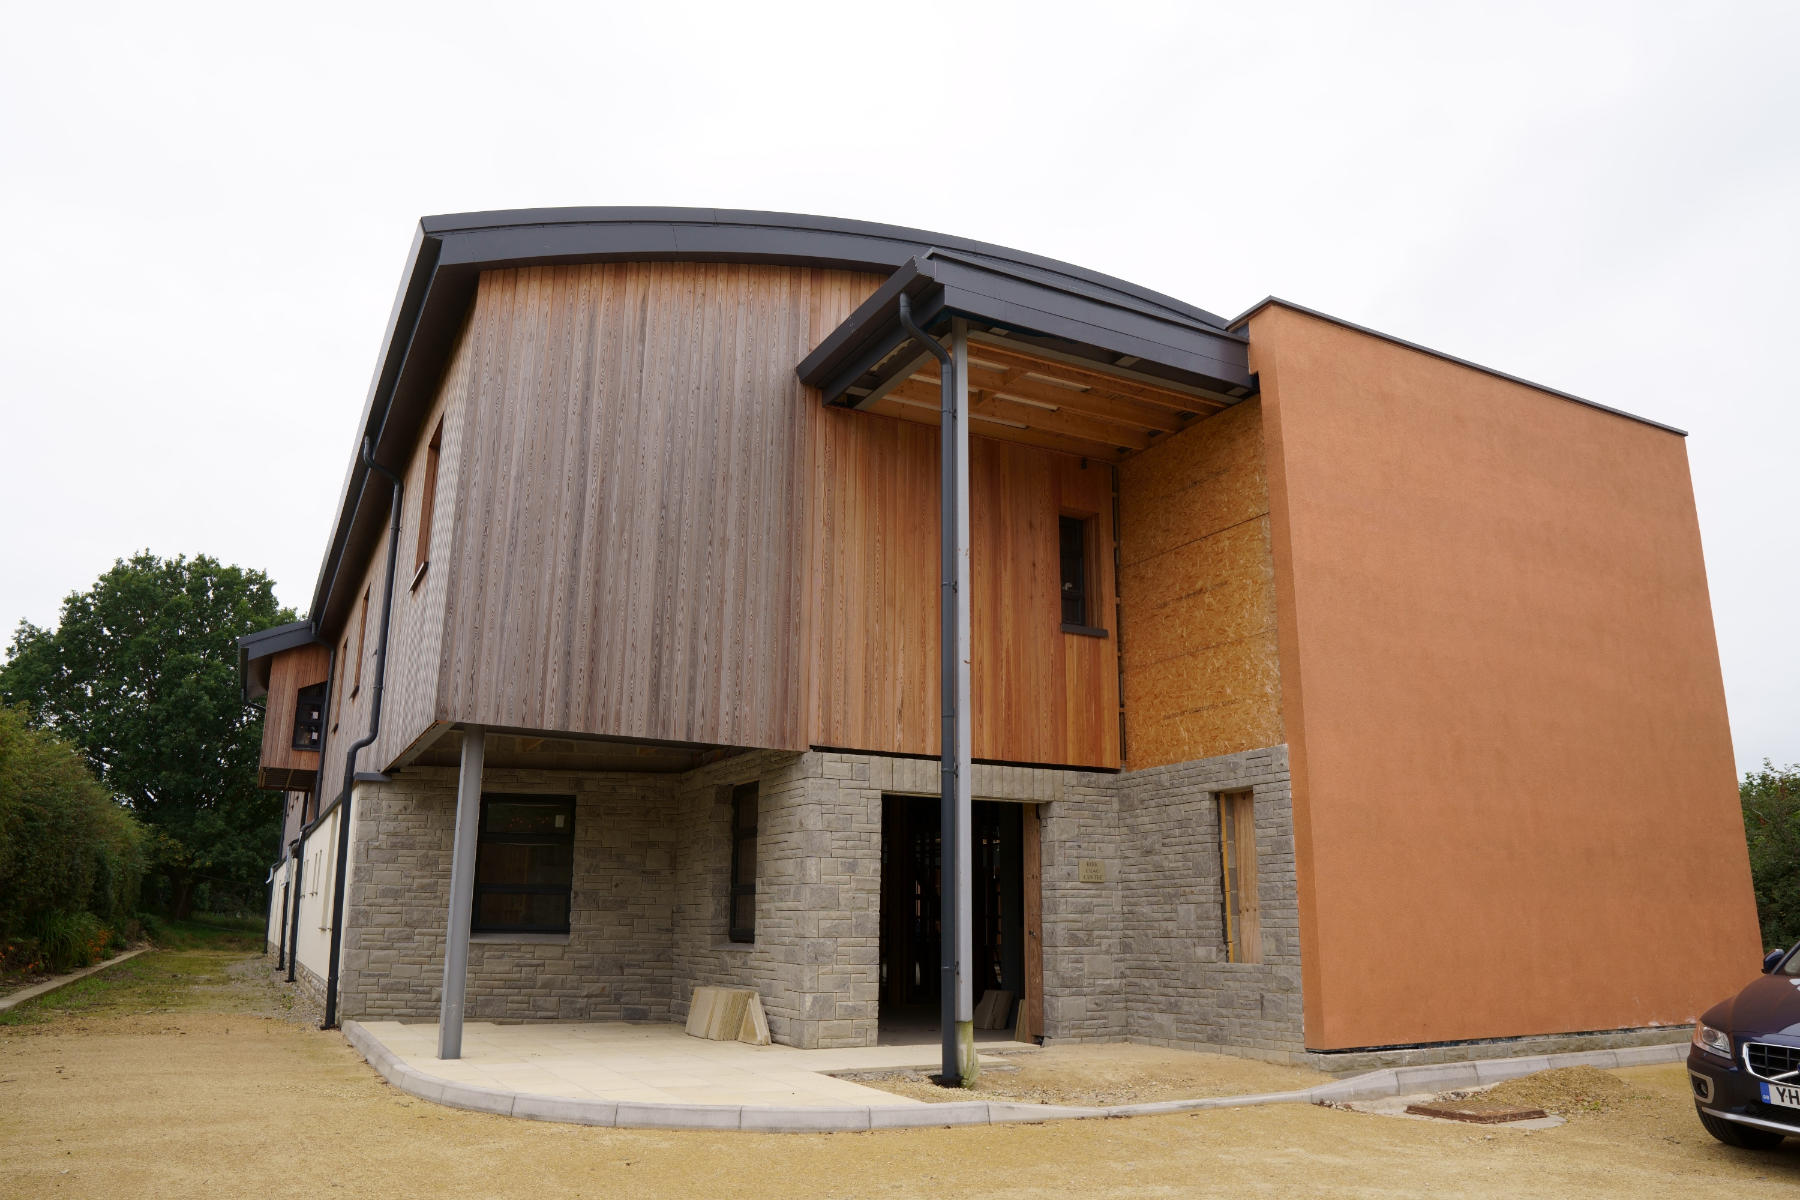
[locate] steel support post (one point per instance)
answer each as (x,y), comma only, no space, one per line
(462,893)
(963,917)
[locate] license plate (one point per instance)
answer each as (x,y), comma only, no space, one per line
(1781,1093)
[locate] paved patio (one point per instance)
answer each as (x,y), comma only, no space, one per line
(655,1064)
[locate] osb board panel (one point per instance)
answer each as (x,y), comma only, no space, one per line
(289,671)
(1496,623)
(1204,479)
(632,534)
(1197,594)
(1037,693)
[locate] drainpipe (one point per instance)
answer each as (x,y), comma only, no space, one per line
(368,739)
(950,890)
(298,851)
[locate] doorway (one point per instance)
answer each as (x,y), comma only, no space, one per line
(1006,933)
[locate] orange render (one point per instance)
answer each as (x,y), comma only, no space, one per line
(1514,798)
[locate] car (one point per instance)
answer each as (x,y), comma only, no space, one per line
(1744,1062)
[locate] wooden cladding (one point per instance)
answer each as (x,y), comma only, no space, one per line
(634,501)
(289,672)
(644,526)
(1039,694)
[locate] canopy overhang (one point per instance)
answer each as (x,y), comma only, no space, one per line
(1051,363)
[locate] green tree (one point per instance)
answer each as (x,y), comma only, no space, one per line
(140,674)
(70,857)
(1771,799)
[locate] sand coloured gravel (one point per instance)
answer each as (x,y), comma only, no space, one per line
(1088,1074)
(190,1101)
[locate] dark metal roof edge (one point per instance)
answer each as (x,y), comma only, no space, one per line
(1268,301)
(277,638)
(450,224)
(272,640)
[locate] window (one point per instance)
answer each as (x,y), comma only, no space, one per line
(337,699)
(428,501)
(362,634)
(524,864)
(309,717)
(1080,591)
(1237,846)
(743,862)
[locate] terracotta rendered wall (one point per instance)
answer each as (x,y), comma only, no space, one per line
(1197,595)
(1514,796)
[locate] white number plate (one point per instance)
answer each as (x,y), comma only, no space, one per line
(1781,1093)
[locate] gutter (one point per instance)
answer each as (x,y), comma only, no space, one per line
(368,739)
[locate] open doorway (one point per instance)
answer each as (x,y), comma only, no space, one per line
(1006,933)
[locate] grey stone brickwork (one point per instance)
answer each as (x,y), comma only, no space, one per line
(1183,992)
(614,962)
(1133,954)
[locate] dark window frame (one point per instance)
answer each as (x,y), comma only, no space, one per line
(309,734)
(485,837)
(1078,578)
(745,796)
(428,502)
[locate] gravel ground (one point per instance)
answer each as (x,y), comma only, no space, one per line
(201,1084)
(1087,1074)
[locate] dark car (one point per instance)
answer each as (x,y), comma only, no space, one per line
(1745,1060)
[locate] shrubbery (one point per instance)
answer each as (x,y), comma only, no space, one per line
(1771,799)
(71,859)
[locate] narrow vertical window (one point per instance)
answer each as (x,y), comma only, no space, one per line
(1237,847)
(428,500)
(743,862)
(1073,537)
(337,693)
(362,633)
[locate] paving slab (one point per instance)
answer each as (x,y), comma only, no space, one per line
(655,1077)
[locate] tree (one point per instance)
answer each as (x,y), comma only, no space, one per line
(1771,799)
(140,674)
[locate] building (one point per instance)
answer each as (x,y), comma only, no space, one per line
(1326,692)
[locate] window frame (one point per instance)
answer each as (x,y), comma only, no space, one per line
(301,727)
(1240,906)
(428,502)
(743,796)
(1088,525)
(484,838)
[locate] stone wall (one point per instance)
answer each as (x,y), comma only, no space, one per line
(1183,992)
(613,964)
(1132,950)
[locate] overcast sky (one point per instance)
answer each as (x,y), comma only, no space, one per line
(206,211)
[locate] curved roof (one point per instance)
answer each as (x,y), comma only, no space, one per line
(449,253)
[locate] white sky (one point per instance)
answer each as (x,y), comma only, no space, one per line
(206,211)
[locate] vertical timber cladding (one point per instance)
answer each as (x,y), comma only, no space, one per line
(1506,714)
(634,499)
(1197,594)
(289,671)
(1039,695)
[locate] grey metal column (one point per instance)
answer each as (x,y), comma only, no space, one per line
(962,918)
(462,893)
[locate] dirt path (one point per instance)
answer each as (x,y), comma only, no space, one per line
(186,1100)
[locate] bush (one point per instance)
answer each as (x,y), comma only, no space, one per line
(71,860)
(1771,800)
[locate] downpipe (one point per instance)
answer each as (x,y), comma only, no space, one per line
(948,883)
(344,799)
